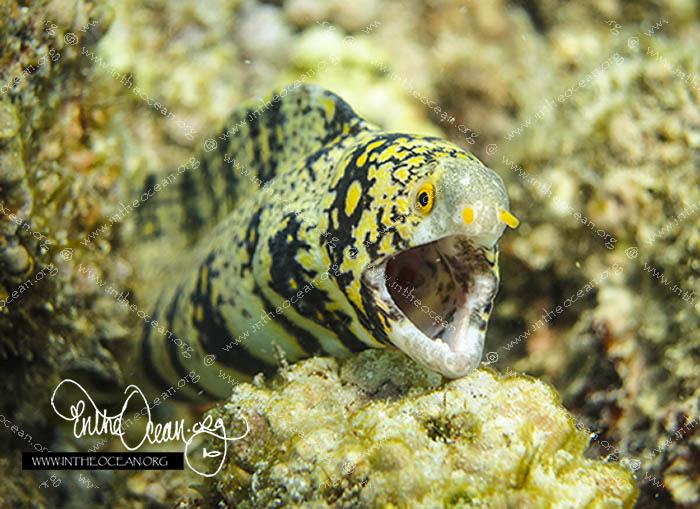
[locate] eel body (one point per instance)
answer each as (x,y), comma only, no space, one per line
(310,231)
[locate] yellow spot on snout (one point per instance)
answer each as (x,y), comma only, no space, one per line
(352,198)
(468,215)
(509,219)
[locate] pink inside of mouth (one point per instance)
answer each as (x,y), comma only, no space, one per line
(432,282)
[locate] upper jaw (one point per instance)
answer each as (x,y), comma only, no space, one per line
(437,297)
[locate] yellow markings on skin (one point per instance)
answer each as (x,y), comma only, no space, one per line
(373,145)
(365,226)
(384,185)
(363,158)
(280,133)
(509,219)
(304,235)
(244,256)
(264,145)
(353,197)
(491,256)
(361,259)
(205,279)
(468,215)
(335,294)
(420,149)
(415,161)
(404,229)
(306,259)
(385,223)
(250,154)
(385,220)
(329,340)
(353,292)
(334,217)
(286,341)
(329,106)
(401,173)
(392,150)
(264,260)
(402,205)
(385,245)
(386,325)
(392,167)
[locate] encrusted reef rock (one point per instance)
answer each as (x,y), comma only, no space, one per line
(610,177)
(379,431)
(57,162)
(18,487)
(53,171)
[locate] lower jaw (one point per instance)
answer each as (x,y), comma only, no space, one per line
(455,347)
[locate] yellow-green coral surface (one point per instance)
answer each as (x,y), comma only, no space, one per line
(378,431)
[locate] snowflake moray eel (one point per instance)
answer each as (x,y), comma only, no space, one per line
(310,231)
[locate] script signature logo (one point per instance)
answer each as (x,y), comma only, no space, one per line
(99,423)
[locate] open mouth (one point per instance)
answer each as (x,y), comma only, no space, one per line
(441,294)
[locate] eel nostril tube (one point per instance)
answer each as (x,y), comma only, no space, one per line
(506,217)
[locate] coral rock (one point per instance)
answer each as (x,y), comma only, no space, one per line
(379,431)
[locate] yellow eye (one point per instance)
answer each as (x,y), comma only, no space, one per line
(425,198)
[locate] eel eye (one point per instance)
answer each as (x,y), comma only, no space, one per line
(425,198)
